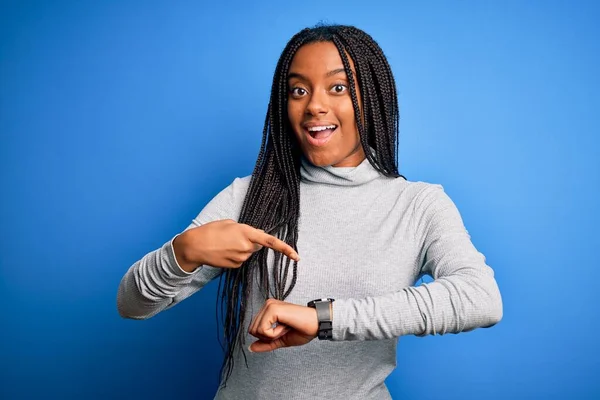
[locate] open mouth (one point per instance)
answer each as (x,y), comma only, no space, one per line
(319,135)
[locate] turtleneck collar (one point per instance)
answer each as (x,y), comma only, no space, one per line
(339,176)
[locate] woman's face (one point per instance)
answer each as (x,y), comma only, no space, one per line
(320,108)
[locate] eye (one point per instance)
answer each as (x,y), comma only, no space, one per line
(297,92)
(339,88)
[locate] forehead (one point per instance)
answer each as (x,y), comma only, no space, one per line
(317,57)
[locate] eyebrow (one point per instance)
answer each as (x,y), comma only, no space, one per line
(328,74)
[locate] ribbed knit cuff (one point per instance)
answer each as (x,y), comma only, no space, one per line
(340,318)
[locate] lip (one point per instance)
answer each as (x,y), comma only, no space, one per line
(321,141)
(312,124)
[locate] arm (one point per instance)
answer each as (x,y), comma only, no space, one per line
(157,281)
(463,296)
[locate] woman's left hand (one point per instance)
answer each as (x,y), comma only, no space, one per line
(280,324)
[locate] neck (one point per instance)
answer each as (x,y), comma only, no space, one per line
(354,159)
(339,176)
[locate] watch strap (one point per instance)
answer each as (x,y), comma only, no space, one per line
(325,317)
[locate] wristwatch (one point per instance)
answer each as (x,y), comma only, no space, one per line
(325,315)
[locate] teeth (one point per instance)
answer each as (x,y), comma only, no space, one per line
(320,128)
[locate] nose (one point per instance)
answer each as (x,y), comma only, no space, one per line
(317,104)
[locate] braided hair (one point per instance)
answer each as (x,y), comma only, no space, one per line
(272,202)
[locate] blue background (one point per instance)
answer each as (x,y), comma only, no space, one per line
(120,120)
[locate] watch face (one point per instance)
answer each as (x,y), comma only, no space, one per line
(313,303)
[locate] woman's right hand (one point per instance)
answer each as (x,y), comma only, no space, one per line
(224,244)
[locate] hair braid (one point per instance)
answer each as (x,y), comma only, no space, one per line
(272,202)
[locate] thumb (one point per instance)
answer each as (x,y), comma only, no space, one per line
(261,347)
(257,246)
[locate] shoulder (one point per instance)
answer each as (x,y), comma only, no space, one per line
(416,192)
(432,210)
(424,192)
(235,193)
(227,204)
(240,185)
(426,199)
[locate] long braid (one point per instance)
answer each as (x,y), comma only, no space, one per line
(272,202)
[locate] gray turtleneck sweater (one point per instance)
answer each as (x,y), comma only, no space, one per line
(364,240)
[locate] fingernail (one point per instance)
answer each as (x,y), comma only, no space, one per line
(249,349)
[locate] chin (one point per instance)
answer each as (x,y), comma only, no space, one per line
(320,160)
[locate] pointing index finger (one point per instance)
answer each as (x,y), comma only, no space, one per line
(264,239)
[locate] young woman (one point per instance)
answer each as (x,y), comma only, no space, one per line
(325,188)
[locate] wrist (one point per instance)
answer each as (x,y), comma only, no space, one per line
(181,250)
(314,326)
(324,311)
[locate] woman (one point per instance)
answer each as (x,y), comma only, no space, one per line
(325,188)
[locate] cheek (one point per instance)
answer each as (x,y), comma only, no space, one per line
(294,115)
(294,111)
(345,113)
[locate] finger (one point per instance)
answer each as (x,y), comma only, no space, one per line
(275,331)
(272,334)
(233,263)
(256,247)
(264,239)
(253,329)
(254,324)
(280,331)
(269,326)
(266,326)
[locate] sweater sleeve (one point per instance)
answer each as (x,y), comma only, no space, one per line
(462,296)
(156,282)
